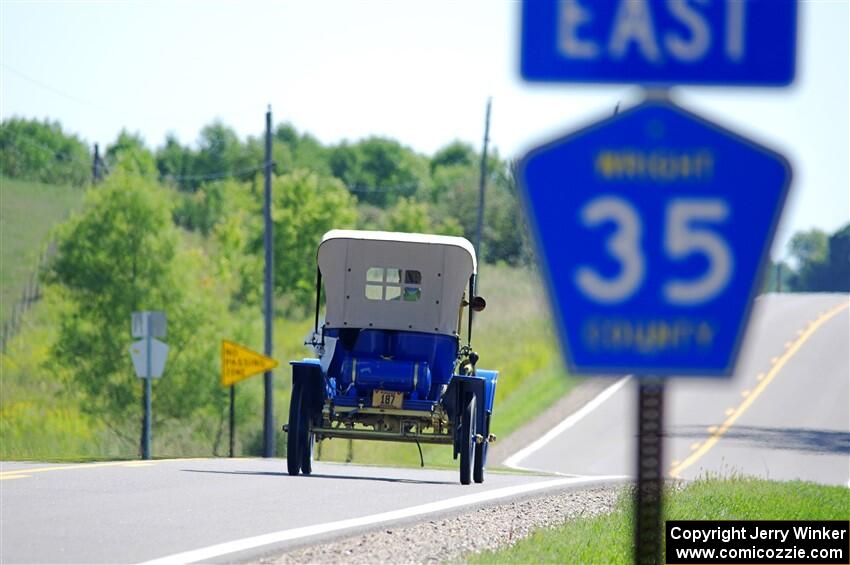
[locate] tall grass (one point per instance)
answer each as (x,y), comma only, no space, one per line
(28,211)
(609,538)
(41,417)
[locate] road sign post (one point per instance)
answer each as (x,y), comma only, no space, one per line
(148,356)
(652,227)
(232,421)
(650,475)
(237,364)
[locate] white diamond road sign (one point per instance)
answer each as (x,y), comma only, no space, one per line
(159,353)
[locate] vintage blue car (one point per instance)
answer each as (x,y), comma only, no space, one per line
(391,365)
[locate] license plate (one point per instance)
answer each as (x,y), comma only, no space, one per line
(387,399)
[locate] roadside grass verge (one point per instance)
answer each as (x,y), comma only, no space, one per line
(28,211)
(41,417)
(609,538)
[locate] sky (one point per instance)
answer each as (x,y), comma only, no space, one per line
(418,71)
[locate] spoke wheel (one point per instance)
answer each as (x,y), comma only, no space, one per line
(307,451)
(480,454)
(467,440)
(297,438)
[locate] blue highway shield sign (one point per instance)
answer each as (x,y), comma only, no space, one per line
(652,228)
(721,42)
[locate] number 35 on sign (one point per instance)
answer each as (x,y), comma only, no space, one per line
(653,227)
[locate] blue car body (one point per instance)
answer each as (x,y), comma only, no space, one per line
(391,364)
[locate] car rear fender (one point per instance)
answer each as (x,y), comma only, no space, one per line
(308,373)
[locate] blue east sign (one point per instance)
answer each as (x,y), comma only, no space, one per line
(652,228)
(723,42)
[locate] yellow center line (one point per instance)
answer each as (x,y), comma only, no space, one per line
(8,477)
(18,473)
(778,363)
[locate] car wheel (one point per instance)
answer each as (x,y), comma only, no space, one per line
(467,440)
(307,452)
(478,470)
(296,436)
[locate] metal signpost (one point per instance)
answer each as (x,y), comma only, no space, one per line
(238,363)
(268,291)
(148,356)
(653,226)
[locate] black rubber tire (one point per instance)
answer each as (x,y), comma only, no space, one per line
(467,440)
(478,470)
(295,437)
(307,454)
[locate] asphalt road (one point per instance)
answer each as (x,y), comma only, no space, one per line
(139,511)
(784,415)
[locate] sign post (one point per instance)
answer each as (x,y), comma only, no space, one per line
(237,364)
(653,226)
(148,356)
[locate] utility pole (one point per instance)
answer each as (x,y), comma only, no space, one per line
(95,165)
(482,183)
(268,405)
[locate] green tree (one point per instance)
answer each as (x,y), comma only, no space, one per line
(378,170)
(120,255)
(839,260)
(809,250)
(129,152)
(409,215)
(505,235)
(42,151)
(293,151)
(174,162)
(306,206)
(455,153)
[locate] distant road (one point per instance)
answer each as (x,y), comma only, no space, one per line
(784,415)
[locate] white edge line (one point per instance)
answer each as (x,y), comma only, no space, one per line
(254,542)
(566,423)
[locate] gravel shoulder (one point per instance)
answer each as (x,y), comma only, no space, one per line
(452,538)
(449,539)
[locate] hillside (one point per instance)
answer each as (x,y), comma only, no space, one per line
(28,211)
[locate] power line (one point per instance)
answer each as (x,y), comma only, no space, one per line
(214,176)
(218,175)
(49,88)
(96,106)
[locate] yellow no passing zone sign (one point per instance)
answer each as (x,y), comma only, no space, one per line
(239,363)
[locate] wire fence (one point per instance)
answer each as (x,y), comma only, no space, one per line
(30,294)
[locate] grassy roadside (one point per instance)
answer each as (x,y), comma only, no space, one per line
(41,417)
(608,538)
(28,211)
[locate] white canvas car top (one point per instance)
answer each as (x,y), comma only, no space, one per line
(394,281)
